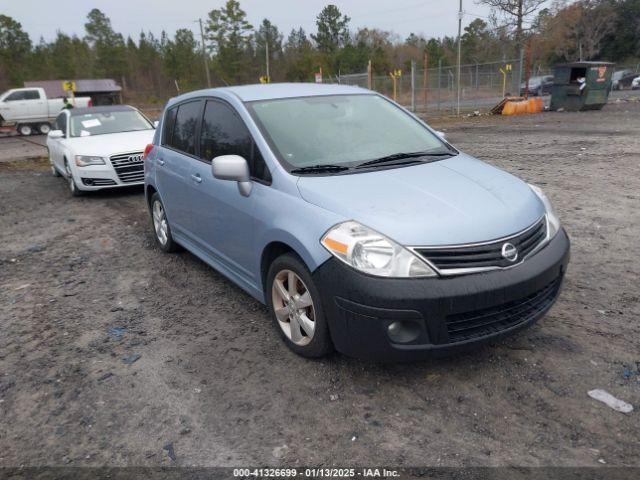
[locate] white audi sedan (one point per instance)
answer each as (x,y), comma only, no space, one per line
(99,147)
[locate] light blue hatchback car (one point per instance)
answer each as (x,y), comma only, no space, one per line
(359,226)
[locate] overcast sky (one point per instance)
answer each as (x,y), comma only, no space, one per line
(433,18)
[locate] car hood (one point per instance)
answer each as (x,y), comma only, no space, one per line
(110,144)
(453,201)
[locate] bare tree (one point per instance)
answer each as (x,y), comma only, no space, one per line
(517,11)
(575,31)
(597,20)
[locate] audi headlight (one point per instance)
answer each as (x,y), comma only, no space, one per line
(373,253)
(553,222)
(86,160)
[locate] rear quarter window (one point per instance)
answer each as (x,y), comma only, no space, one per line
(167,126)
(181,124)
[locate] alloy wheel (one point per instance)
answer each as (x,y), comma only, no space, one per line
(160,222)
(293,307)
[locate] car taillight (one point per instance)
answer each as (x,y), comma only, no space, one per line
(90,104)
(147,150)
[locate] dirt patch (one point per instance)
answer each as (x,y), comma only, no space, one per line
(111,350)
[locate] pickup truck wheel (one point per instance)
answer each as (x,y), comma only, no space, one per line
(161,228)
(44,128)
(73,188)
(296,308)
(25,130)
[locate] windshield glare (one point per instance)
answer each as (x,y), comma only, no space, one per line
(103,123)
(340,130)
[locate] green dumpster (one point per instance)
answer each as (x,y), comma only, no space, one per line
(581,86)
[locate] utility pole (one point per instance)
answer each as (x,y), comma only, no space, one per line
(204,54)
(460,14)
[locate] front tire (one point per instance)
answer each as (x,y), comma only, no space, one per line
(296,308)
(73,187)
(161,228)
(54,170)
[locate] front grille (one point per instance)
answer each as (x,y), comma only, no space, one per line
(458,259)
(480,323)
(129,167)
(98,182)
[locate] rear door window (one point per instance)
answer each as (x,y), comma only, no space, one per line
(32,95)
(224,133)
(185,127)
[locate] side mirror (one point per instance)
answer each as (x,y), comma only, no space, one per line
(55,134)
(442,135)
(156,123)
(233,168)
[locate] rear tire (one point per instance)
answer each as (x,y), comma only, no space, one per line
(25,130)
(161,227)
(296,307)
(44,128)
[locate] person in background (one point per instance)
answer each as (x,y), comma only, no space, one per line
(67,104)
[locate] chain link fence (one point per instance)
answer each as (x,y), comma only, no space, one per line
(435,90)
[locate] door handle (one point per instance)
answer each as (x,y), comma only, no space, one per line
(160,162)
(196,178)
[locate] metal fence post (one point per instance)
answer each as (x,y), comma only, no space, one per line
(520,65)
(413,85)
(439,81)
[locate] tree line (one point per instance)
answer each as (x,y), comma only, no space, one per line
(236,51)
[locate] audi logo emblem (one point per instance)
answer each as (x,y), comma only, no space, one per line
(134,158)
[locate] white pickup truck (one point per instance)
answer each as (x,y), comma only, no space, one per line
(31,111)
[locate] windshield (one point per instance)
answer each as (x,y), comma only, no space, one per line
(340,130)
(103,123)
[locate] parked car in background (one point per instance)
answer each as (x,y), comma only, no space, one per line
(623,79)
(538,86)
(31,111)
(356,223)
(635,84)
(99,147)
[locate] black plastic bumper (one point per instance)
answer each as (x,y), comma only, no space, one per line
(437,316)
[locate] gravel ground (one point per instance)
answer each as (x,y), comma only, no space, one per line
(113,353)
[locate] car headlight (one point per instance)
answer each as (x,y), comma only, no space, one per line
(553,222)
(373,253)
(85,160)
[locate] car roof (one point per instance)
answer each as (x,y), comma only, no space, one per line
(273,91)
(106,109)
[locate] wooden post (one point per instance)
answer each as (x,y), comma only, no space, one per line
(413,85)
(369,76)
(395,90)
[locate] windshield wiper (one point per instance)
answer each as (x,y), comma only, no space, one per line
(402,156)
(320,169)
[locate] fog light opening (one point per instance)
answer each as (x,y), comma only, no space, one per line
(402,331)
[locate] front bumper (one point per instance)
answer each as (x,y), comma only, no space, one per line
(97,177)
(437,316)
